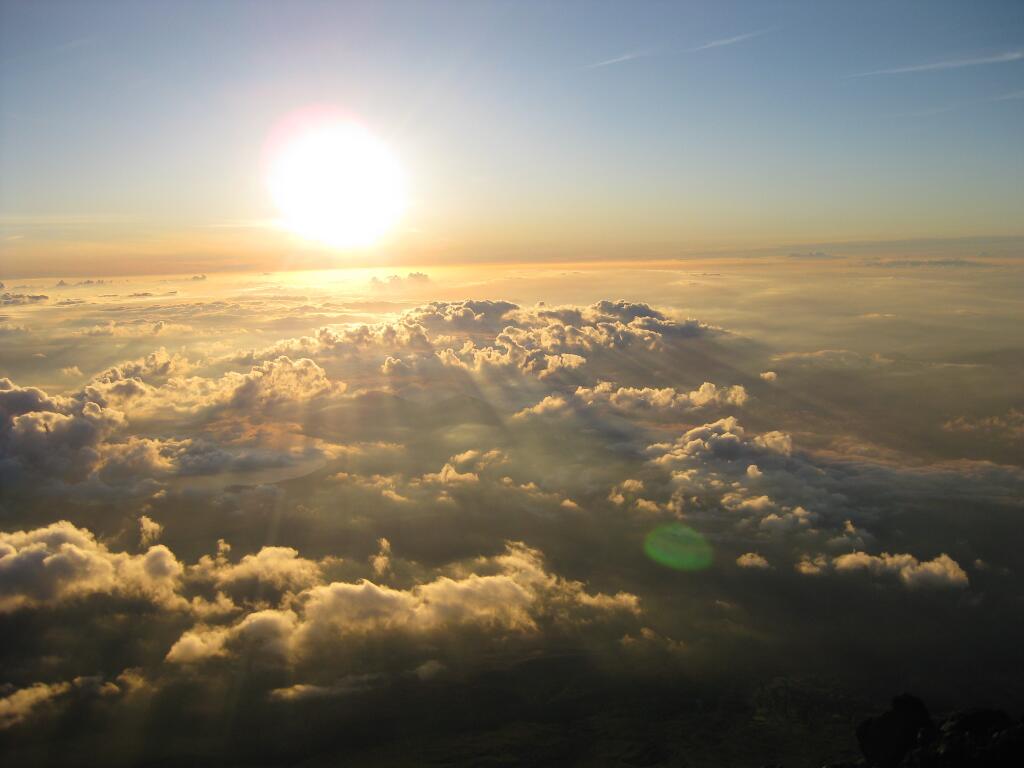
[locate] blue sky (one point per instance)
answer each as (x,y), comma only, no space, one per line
(563,124)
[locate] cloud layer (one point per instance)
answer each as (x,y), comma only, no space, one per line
(319,502)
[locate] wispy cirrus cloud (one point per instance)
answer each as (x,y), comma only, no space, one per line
(732,40)
(631,56)
(934,66)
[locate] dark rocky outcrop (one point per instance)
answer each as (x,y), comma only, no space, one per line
(885,739)
(906,737)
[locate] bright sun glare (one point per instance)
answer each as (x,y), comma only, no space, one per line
(336,183)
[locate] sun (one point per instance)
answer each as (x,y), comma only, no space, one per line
(334,182)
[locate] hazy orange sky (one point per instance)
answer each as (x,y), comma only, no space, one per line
(132,135)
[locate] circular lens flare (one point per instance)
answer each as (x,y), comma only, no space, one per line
(676,546)
(335,182)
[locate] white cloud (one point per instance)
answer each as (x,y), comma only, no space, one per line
(449,475)
(660,401)
(942,571)
(752,560)
(60,562)
(551,404)
(722,42)
(278,568)
(999,58)
(19,705)
(149,530)
(512,599)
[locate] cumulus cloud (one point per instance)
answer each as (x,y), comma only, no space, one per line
(511,592)
(10,299)
(941,571)
(660,401)
(280,380)
(397,281)
(515,596)
(551,404)
(542,341)
(449,475)
(277,568)
(306,691)
(81,436)
(752,560)
(755,488)
(724,439)
(381,562)
(269,384)
(57,436)
(151,368)
(18,706)
(812,566)
(149,530)
(480,460)
(60,563)
(385,485)
(627,488)
(395,337)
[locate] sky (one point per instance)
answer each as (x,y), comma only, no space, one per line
(132,134)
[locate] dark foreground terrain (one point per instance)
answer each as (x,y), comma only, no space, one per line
(546,712)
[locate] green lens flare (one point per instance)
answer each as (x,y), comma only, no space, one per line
(676,546)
